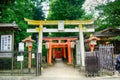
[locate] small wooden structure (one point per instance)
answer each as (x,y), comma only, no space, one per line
(7,36)
(107,35)
(7,42)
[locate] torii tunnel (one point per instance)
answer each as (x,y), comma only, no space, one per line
(64,45)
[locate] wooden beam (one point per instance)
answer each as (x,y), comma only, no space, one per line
(56,30)
(55,22)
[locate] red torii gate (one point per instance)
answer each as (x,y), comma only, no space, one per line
(63,43)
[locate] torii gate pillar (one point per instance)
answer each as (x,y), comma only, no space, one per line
(39,53)
(82,49)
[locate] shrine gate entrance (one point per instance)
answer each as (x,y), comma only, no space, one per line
(41,29)
(60,47)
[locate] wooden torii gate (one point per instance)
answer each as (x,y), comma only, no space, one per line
(60,23)
(65,44)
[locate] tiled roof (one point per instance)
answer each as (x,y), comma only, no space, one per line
(9,25)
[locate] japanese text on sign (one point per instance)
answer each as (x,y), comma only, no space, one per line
(6,42)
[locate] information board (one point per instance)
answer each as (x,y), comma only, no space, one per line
(6,55)
(61,25)
(20,58)
(21,47)
(6,43)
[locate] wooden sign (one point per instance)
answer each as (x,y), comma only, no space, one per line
(21,47)
(93,42)
(28,44)
(61,25)
(6,42)
(6,55)
(20,58)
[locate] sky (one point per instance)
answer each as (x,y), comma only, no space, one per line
(45,7)
(91,4)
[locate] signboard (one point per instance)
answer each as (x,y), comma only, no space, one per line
(21,47)
(47,45)
(28,43)
(33,55)
(72,44)
(5,55)
(61,25)
(20,58)
(6,43)
(93,42)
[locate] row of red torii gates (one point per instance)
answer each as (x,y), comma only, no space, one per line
(64,44)
(40,29)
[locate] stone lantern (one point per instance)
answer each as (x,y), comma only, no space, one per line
(29,42)
(92,42)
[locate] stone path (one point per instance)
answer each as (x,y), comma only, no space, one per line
(62,71)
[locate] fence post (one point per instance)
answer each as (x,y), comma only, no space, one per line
(39,63)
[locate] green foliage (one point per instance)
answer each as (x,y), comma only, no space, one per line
(116,38)
(109,15)
(21,9)
(87,16)
(65,10)
(39,15)
(6,63)
(44,51)
(17,11)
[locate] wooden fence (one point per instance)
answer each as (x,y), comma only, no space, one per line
(102,60)
(106,57)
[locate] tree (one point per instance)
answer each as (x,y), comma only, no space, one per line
(17,11)
(65,9)
(39,14)
(109,15)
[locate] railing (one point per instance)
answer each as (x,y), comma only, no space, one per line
(106,53)
(10,65)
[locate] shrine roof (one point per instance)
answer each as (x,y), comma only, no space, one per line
(108,32)
(8,26)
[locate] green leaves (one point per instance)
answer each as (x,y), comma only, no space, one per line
(109,14)
(65,9)
(17,11)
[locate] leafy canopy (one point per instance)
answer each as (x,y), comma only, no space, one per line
(65,9)
(109,15)
(17,11)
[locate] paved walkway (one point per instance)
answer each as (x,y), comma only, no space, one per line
(61,71)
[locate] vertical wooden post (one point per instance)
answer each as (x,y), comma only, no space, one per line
(40,36)
(39,53)
(29,57)
(50,53)
(12,49)
(82,49)
(64,50)
(69,53)
(53,52)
